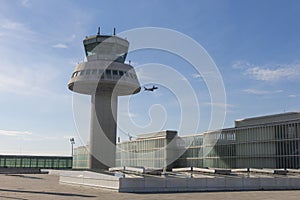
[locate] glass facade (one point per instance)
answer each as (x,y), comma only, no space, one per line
(108,75)
(81,158)
(106,48)
(263,142)
(274,144)
(266,146)
(45,162)
(153,151)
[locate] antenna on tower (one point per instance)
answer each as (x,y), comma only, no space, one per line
(114,31)
(98,31)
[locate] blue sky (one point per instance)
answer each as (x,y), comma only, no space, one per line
(255,45)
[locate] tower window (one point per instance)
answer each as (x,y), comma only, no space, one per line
(74,74)
(81,73)
(121,73)
(87,72)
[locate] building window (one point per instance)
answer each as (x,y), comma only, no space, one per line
(108,73)
(94,71)
(87,72)
(101,73)
(115,72)
(291,131)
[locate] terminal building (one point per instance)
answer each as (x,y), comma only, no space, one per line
(271,141)
(40,162)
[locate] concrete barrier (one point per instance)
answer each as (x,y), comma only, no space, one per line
(233,183)
(206,184)
(295,183)
(251,184)
(155,184)
(216,183)
(197,184)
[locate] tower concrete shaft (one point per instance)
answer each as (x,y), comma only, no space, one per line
(103,129)
(104,76)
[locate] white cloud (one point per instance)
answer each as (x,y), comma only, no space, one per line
(240,64)
(262,74)
(258,92)
(292,96)
(14,133)
(60,46)
(11,30)
(268,72)
(196,75)
(11,25)
(25,80)
(207,75)
(34,80)
(25,3)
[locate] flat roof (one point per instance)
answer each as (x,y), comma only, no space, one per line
(165,134)
(267,119)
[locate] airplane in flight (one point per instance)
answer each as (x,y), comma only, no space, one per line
(151,89)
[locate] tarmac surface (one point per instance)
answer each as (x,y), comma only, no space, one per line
(44,186)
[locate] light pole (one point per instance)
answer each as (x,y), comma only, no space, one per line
(72,141)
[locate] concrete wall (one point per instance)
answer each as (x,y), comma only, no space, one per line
(171,184)
(206,184)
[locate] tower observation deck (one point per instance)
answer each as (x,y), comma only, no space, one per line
(104,76)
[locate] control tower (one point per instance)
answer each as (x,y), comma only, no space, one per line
(104,76)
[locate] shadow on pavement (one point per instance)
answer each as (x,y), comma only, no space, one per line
(23,176)
(49,193)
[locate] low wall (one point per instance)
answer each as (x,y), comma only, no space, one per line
(153,184)
(176,184)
